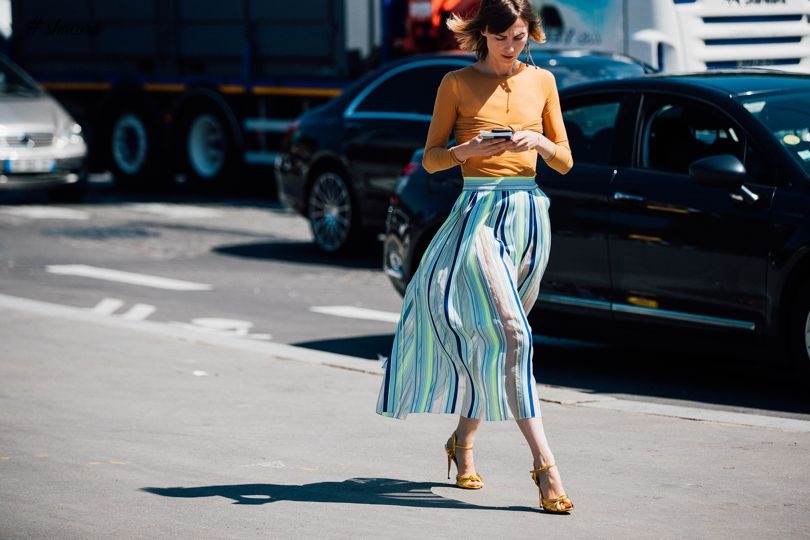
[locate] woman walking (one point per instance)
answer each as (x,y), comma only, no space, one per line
(463,344)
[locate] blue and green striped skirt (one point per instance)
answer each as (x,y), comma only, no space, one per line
(463,344)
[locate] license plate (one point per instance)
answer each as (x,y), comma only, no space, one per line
(30,165)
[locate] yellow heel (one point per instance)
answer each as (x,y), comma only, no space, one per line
(558,505)
(468,481)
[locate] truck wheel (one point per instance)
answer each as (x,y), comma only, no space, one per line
(798,334)
(134,152)
(331,212)
(210,150)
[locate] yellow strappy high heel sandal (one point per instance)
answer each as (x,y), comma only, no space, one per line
(468,481)
(559,505)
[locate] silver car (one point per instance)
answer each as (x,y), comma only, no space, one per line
(41,146)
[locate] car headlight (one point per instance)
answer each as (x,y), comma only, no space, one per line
(69,135)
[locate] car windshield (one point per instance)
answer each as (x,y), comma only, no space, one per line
(787,116)
(13,81)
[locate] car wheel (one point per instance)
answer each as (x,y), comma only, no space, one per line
(330,210)
(209,144)
(799,330)
(134,152)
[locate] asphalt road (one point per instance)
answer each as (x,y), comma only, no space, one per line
(130,429)
(245,266)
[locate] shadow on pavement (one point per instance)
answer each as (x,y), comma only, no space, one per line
(102,192)
(705,375)
(366,347)
(304,253)
(381,491)
(667,373)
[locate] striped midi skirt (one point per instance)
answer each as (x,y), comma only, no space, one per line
(463,344)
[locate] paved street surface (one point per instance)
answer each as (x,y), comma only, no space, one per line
(136,429)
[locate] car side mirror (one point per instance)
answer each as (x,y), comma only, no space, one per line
(723,170)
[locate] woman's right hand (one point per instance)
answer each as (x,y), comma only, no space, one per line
(480,147)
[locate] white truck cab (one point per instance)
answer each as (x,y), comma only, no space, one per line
(686,35)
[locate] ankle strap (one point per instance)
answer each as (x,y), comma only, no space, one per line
(454,439)
(538,470)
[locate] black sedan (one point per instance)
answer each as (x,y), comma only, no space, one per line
(688,207)
(340,162)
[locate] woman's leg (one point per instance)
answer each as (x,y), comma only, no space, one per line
(550,482)
(465,436)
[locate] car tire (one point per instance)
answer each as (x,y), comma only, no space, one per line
(134,152)
(209,146)
(331,212)
(798,334)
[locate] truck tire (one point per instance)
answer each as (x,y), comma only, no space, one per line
(209,147)
(331,212)
(798,334)
(134,151)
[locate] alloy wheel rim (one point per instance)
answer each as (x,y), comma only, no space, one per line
(129,144)
(206,145)
(330,211)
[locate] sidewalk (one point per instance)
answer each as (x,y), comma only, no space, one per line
(114,428)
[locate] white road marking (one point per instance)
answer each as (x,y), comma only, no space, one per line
(183,332)
(108,274)
(357,313)
(139,312)
(224,327)
(176,211)
(199,373)
(235,326)
(108,306)
(44,212)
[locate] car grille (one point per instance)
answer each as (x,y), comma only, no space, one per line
(27,140)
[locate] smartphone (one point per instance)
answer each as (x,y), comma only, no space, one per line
(497,134)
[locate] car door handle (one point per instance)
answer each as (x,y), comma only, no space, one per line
(619,196)
(745,196)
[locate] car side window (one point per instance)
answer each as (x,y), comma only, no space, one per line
(676,134)
(410,91)
(590,128)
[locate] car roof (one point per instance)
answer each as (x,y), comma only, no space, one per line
(733,83)
(572,55)
(547,58)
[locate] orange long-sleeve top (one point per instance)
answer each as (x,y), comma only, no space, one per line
(469,101)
